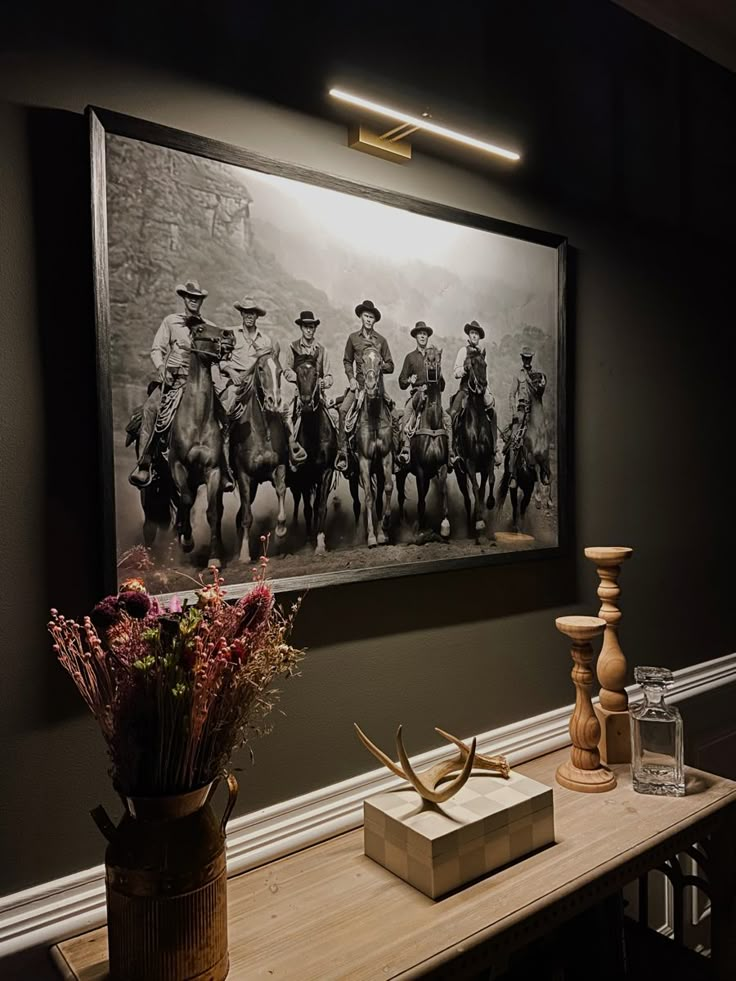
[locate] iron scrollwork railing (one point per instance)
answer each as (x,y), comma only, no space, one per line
(681,878)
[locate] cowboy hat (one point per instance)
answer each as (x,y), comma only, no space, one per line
(191,288)
(419,326)
(474,325)
(249,305)
(307,318)
(526,352)
(367,307)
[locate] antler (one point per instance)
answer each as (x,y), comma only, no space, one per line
(426,783)
(428,792)
(496,764)
(380,756)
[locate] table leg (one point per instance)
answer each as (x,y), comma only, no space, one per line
(722,855)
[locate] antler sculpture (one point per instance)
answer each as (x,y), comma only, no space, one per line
(426,783)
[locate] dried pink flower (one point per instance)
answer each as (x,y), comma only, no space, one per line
(176,691)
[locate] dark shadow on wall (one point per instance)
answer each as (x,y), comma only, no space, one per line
(427,602)
(68,460)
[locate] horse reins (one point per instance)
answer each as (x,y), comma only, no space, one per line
(474,386)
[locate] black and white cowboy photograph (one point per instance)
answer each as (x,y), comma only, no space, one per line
(358,388)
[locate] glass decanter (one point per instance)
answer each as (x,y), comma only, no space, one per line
(656,737)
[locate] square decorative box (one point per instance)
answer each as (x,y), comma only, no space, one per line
(439,847)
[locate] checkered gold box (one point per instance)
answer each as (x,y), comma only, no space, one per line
(439,847)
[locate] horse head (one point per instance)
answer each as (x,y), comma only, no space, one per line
(433,365)
(227,343)
(476,371)
(268,381)
(211,343)
(372,376)
(307,382)
(538,383)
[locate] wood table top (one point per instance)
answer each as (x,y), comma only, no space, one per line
(328,912)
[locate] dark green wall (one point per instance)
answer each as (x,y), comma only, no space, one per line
(630,161)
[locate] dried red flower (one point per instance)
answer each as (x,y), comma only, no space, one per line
(105,613)
(255,607)
(135,603)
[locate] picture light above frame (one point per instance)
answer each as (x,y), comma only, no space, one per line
(392,144)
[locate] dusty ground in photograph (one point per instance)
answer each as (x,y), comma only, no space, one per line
(346,542)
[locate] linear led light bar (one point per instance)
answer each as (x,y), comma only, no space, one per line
(418,122)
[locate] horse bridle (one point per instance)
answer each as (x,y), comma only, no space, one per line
(209,346)
(259,390)
(314,398)
(473,385)
(374,374)
(432,370)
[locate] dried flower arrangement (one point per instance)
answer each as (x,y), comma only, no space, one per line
(176,690)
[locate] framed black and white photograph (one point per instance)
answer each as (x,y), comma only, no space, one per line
(360,383)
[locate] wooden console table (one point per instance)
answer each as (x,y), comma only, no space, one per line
(328,912)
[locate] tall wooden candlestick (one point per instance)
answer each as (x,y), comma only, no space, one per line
(613,710)
(583,771)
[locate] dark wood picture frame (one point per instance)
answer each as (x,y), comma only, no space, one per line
(103,122)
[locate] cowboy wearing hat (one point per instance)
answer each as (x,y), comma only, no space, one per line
(307,346)
(356,345)
(170,356)
(475,335)
(526,385)
(236,374)
(413,376)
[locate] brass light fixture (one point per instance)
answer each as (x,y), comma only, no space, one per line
(390,145)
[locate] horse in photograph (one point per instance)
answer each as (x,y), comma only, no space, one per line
(195,440)
(374,450)
(475,443)
(159,499)
(259,449)
(428,446)
(527,457)
(525,479)
(311,481)
(537,442)
(352,475)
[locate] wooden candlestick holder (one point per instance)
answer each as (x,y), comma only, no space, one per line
(583,771)
(613,710)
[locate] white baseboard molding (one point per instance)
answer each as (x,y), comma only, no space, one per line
(53,911)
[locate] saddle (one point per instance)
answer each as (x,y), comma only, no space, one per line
(242,391)
(352,417)
(133,430)
(453,401)
(170,399)
(134,425)
(330,408)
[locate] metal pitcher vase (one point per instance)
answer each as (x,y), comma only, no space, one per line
(166,884)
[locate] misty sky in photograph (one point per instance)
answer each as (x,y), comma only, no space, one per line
(333,240)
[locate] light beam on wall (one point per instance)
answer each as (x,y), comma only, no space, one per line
(388,145)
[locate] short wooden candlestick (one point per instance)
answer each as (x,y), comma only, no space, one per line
(613,710)
(583,771)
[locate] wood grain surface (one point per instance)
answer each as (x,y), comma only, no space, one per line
(328,912)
